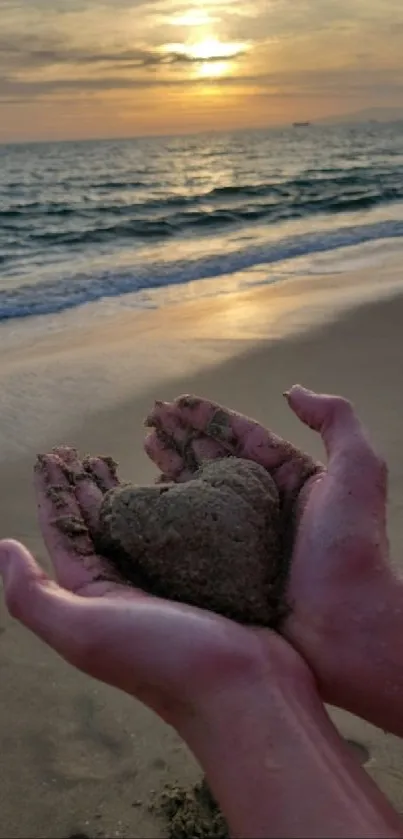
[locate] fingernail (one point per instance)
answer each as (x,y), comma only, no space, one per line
(286,393)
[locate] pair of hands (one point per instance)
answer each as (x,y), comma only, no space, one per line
(171,656)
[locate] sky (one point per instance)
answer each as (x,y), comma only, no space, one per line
(71,70)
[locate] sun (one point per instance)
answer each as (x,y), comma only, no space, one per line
(210,49)
(207,57)
(213,69)
(212,57)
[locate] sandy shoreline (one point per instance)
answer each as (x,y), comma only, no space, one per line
(76,756)
(57,372)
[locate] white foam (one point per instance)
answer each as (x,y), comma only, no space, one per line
(50,379)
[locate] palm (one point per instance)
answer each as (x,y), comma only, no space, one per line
(169,654)
(333,519)
(165,654)
(191,430)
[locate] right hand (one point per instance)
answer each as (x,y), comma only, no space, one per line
(335,519)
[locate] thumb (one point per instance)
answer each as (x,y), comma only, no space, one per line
(343,434)
(332,416)
(38,602)
(23,579)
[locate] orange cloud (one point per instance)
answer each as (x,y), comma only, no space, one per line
(93,69)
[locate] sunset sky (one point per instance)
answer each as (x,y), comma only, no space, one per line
(72,69)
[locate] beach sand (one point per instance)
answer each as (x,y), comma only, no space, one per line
(77,757)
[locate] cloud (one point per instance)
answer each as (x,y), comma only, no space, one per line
(350,83)
(53,50)
(141,57)
(36,35)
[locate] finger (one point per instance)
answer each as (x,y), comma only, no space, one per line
(63,528)
(89,496)
(165,418)
(89,475)
(93,634)
(189,414)
(38,602)
(232,434)
(172,465)
(238,435)
(162,451)
(87,492)
(335,420)
(104,471)
(204,448)
(170,446)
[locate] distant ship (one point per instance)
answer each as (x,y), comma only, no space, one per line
(301,124)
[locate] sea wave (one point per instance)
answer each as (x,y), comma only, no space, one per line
(77,289)
(311,186)
(107,225)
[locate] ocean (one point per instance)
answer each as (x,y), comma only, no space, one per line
(98,238)
(135,223)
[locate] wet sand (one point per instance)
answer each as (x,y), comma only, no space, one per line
(78,757)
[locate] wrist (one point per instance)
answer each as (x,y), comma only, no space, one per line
(277,766)
(379,659)
(356,646)
(231,736)
(271,673)
(270,667)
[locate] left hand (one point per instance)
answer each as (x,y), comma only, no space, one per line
(173,657)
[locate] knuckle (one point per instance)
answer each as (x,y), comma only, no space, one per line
(14,584)
(186,400)
(373,458)
(341,406)
(373,463)
(378,460)
(18,599)
(8,545)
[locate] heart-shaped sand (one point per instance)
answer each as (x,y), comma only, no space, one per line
(212,542)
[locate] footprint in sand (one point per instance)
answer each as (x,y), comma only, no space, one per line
(81,746)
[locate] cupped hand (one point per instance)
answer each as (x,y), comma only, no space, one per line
(170,656)
(334,517)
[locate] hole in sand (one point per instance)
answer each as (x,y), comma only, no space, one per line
(78,836)
(360,751)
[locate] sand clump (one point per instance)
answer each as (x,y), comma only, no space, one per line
(191,813)
(212,542)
